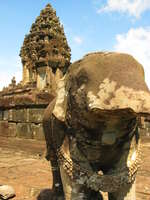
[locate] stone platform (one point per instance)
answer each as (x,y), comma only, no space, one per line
(23,166)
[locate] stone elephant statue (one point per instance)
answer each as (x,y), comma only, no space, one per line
(91,128)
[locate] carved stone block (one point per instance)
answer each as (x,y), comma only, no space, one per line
(4,128)
(12,130)
(147,124)
(18,115)
(38,133)
(35,115)
(1,115)
(24,130)
(6,114)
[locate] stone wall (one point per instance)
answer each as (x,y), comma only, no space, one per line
(21,112)
(22,122)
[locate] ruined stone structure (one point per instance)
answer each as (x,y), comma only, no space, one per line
(45,50)
(45,57)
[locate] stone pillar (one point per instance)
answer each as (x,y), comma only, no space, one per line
(41,78)
(25,75)
(50,78)
(34,75)
(58,75)
(30,75)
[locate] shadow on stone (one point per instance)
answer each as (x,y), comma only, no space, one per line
(47,194)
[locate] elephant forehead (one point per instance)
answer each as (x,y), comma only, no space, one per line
(121,68)
(109,96)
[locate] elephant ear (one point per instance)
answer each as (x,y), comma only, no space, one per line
(61,100)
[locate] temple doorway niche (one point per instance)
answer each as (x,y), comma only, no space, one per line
(41,78)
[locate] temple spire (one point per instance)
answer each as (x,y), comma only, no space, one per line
(46,43)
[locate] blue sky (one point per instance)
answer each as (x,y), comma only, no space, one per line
(90,25)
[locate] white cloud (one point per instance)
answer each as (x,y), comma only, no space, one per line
(132,7)
(10,67)
(136,42)
(78,40)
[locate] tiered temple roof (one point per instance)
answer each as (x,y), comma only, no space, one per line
(46,44)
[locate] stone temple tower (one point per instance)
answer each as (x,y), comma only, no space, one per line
(45,57)
(45,52)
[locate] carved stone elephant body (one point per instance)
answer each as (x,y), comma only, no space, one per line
(91,128)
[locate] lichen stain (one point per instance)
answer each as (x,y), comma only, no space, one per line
(59,109)
(111,97)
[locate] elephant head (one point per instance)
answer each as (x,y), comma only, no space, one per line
(94,125)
